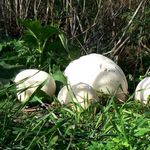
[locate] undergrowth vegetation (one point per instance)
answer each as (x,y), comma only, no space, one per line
(111,126)
(47,35)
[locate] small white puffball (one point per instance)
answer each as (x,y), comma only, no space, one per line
(29,80)
(80,93)
(142,91)
(100,72)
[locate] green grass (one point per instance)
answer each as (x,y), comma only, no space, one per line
(113,126)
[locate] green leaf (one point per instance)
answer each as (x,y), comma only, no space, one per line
(141,131)
(47,32)
(34,26)
(148,148)
(59,76)
(1,47)
(37,35)
(53,141)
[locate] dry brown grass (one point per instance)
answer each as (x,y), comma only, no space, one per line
(108,27)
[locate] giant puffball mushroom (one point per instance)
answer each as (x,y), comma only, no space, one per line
(100,72)
(81,93)
(142,91)
(29,80)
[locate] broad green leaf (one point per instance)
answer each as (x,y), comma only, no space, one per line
(59,76)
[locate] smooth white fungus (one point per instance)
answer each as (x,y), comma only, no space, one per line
(81,93)
(142,91)
(29,80)
(99,72)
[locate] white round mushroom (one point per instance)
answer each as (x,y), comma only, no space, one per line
(29,80)
(81,93)
(99,72)
(142,91)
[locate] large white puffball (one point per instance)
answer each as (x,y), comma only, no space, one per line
(81,93)
(142,91)
(99,72)
(29,80)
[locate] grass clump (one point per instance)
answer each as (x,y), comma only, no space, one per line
(112,126)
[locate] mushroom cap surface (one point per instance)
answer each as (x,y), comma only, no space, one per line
(100,72)
(142,91)
(80,93)
(27,81)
